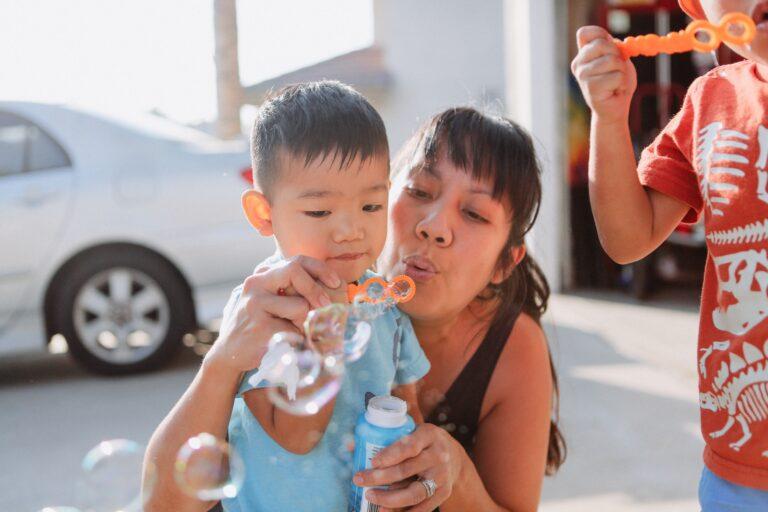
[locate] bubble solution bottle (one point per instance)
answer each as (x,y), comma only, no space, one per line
(385,421)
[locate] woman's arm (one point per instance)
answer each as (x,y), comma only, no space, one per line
(511,448)
(513,436)
(207,404)
(205,407)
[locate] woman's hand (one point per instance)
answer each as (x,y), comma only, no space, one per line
(260,312)
(429,453)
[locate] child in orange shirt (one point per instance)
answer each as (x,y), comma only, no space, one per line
(711,159)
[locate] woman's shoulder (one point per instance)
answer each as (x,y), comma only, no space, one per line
(527,337)
(523,365)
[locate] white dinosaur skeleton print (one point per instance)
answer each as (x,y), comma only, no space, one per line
(740,385)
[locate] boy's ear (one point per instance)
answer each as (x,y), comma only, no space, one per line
(501,274)
(258,211)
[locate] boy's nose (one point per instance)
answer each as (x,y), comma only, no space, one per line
(348,231)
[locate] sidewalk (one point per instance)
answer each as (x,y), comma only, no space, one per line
(628,393)
(629,403)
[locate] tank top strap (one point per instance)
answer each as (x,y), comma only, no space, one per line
(459,412)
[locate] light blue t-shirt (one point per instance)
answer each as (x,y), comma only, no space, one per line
(278,480)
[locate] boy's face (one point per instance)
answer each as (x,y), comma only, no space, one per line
(335,215)
(758,10)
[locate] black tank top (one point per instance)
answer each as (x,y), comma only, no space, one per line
(459,412)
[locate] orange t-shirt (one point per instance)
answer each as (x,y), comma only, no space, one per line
(712,156)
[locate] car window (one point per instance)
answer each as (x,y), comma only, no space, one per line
(44,152)
(24,146)
(13,138)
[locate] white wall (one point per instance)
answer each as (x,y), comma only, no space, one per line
(505,55)
(441,53)
(535,66)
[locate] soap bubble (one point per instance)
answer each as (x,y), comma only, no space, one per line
(368,311)
(112,477)
(289,361)
(356,339)
(208,469)
(310,399)
(324,328)
(402,289)
(376,289)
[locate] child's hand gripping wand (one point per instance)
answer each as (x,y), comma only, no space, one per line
(702,36)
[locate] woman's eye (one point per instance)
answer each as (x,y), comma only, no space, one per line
(417,193)
(475,216)
(317,213)
(372,208)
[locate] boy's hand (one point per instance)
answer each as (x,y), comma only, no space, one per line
(607,81)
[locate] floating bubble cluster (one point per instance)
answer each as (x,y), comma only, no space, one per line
(208,469)
(305,372)
(112,477)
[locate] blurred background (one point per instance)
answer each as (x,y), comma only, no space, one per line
(123,154)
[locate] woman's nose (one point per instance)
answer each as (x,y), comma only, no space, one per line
(434,230)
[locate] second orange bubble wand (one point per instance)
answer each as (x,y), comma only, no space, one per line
(701,36)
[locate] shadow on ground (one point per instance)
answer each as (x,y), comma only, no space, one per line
(631,428)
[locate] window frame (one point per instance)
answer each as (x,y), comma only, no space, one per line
(26,157)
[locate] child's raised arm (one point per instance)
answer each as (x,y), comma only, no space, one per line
(631,220)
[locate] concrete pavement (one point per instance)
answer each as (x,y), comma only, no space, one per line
(628,394)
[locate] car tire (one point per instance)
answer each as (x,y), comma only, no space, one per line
(122,310)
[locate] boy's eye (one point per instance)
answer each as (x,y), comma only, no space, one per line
(372,208)
(317,213)
(417,193)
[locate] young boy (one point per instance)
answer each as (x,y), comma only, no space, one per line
(321,169)
(710,159)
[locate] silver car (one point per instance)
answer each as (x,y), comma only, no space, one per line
(119,233)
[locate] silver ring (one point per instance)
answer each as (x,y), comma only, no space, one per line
(429,485)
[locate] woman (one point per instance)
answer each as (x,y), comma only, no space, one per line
(466,190)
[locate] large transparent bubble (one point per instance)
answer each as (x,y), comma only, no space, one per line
(112,477)
(207,468)
(289,362)
(310,399)
(305,372)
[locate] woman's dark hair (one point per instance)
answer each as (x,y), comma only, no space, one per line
(498,150)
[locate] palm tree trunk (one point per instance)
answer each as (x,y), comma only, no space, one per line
(228,88)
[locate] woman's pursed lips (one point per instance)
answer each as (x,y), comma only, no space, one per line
(419,268)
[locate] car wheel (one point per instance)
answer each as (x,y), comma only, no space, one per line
(122,311)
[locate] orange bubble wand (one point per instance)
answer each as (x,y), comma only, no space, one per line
(401,289)
(701,36)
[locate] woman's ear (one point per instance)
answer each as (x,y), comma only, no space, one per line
(501,274)
(258,211)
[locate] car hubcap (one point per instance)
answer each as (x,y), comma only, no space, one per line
(121,315)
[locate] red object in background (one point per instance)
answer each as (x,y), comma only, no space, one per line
(247,175)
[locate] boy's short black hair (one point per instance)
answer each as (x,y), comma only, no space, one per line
(314,119)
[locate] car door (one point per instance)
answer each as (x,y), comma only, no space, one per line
(36,181)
